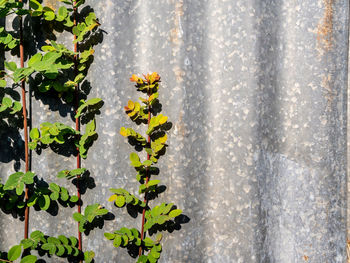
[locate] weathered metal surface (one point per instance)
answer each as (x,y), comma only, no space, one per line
(257,94)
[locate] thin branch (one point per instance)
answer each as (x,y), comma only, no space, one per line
(147,179)
(77,122)
(25,126)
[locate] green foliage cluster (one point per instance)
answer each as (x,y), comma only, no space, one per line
(61,246)
(59,133)
(90,213)
(57,70)
(154,146)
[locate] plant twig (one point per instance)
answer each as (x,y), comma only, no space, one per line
(25,126)
(147,179)
(77,123)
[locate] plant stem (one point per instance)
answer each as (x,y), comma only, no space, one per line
(77,123)
(25,125)
(147,179)
(4,260)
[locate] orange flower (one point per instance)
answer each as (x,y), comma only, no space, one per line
(134,78)
(154,77)
(150,79)
(146,77)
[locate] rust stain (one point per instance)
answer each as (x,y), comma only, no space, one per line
(306,258)
(179,74)
(329,93)
(325,27)
(51,3)
(348,251)
(175,33)
(181,125)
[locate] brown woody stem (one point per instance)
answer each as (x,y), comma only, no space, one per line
(147,179)
(25,125)
(77,123)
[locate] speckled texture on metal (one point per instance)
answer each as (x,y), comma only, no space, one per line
(257,94)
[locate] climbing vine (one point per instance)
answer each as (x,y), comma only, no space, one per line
(57,71)
(154,219)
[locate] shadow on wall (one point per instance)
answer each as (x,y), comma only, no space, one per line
(11,125)
(268,117)
(11,143)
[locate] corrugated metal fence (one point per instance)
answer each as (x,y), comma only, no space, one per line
(257,94)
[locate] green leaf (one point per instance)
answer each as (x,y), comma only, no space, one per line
(28,177)
(29,259)
(34,59)
(89,256)
(81,67)
(64,194)
(168,208)
(120,201)
(62,13)
(13,181)
(78,171)
(49,247)
(75,31)
(60,250)
(147,163)
(44,202)
(17,106)
(175,213)
(93,101)
(7,39)
(34,134)
(14,252)
(49,15)
(54,187)
(7,102)
(11,66)
(117,241)
(3,83)
(63,239)
(78,217)
(74,199)
(79,110)
(69,249)
(153,182)
(76,252)
(73,240)
(47,48)
(148,242)
(12,44)
(129,199)
(90,18)
(35,5)
(36,235)
(142,188)
(69,22)
(79,3)
(135,160)
(79,78)
(109,236)
(26,243)
(90,127)
(19,188)
(32,200)
(142,259)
